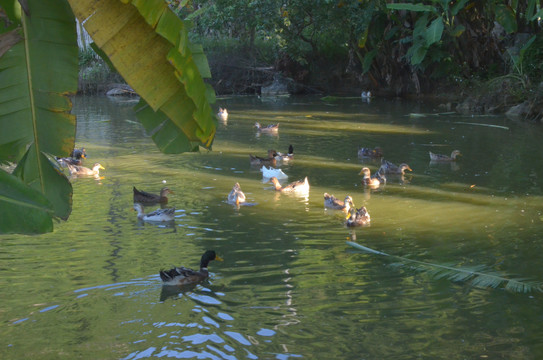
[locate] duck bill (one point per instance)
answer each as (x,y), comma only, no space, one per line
(218,258)
(101,167)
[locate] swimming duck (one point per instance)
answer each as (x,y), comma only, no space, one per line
(296,186)
(144,197)
(365,95)
(184,276)
(440,157)
(372,181)
(236,196)
(223,114)
(160,215)
(257,160)
(376,152)
(389,168)
(287,156)
(358,217)
(330,201)
(75,158)
(271,172)
(272,128)
(81,170)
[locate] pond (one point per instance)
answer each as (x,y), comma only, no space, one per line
(289,286)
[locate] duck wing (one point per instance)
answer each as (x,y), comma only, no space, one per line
(143,196)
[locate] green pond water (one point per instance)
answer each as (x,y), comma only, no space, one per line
(289,286)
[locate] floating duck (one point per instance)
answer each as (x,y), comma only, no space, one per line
(440,157)
(272,128)
(287,156)
(358,217)
(389,168)
(223,115)
(330,201)
(236,196)
(301,186)
(372,181)
(75,158)
(160,215)
(144,197)
(366,95)
(271,172)
(376,152)
(184,276)
(257,160)
(81,170)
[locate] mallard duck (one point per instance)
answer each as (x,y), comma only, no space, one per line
(271,172)
(81,170)
(184,276)
(372,181)
(160,215)
(75,158)
(287,156)
(330,201)
(272,128)
(144,197)
(389,168)
(376,152)
(358,217)
(440,157)
(296,186)
(223,114)
(236,196)
(257,160)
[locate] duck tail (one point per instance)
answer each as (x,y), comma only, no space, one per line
(290,150)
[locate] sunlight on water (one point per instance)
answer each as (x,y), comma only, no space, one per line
(289,287)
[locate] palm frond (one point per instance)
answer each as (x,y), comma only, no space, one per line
(474,275)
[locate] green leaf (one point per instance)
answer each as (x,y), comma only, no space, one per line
(36,77)
(368,60)
(23,209)
(434,31)
(458,6)
(411,7)
(417,53)
(506,18)
(458,30)
(148,45)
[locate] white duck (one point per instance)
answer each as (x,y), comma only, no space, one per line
(159,215)
(271,172)
(223,115)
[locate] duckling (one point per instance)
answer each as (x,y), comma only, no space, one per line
(236,196)
(81,170)
(160,215)
(257,160)
(376,152)
(358,217)
(330,201)
(285,157)
(144,197)
(223,115)
(389,168)
(184,276)
(440,157)
(372,181)
(272,128)
(300,186)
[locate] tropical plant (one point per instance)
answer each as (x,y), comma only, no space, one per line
(146,43)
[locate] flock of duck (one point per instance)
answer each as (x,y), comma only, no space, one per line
(355,216)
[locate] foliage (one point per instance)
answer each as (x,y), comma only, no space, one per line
(38,71)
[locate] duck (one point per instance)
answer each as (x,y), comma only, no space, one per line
(160,215)
(331,202)
(365,95)
(285,157)
(389,168)
(185,276)
(376,152)
(257,160)
(372,181)
(144,197)
(271,172)
(272,128)
(223,114)
(440,157)
(81,170)
(75,158)
(358,217)
(236,196)
(296,186)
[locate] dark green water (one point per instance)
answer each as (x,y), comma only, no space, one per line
(289,287)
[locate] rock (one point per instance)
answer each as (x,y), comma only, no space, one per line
(279,86)
(519,111)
